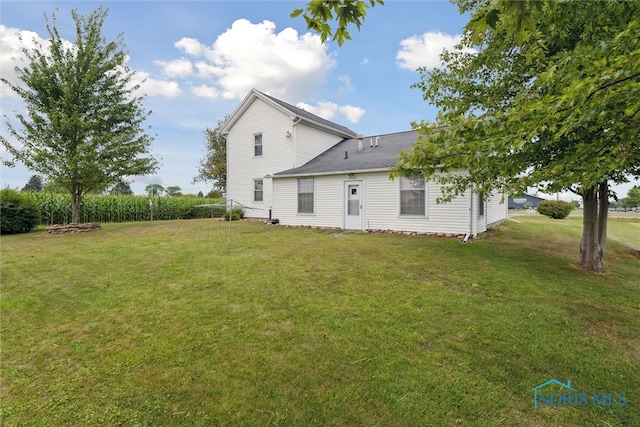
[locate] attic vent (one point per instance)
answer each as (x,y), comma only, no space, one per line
(346,155)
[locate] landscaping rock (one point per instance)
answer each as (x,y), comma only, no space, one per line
(73,228)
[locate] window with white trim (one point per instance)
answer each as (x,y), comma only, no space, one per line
(413,196)
(305,195)
(257,145)
(258,192)
(481,205)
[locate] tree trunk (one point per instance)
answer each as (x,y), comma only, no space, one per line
(76,196)
(591,255)
(603,214)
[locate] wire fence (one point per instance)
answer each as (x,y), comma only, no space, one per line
(56,208)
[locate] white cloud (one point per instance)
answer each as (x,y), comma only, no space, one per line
(247,55)
(365,61)
(347,86)
(153,87)
(11,48)
(177,68)
(328,110)
(206,70)
(204,91)
(425,50)
(190,46)
(11,54)
(353,114)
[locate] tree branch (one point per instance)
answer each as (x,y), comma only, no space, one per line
(613,83)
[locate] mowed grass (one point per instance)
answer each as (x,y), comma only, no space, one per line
(162,324)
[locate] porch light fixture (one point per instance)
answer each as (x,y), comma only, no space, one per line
(288,136)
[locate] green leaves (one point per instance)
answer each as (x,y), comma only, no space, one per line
(319,14)
(557,106)
(84,128)
(213,167)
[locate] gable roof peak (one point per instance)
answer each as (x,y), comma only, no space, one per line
(296,113)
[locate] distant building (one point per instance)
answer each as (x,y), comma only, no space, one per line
(523,201)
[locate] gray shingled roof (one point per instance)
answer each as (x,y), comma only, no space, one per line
(333,160)
(311,117)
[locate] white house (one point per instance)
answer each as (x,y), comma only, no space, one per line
(284,162)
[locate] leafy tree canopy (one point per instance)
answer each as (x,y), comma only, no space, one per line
(555,106)
(34,184)
(154,189)
(173,191)
(319,15)
(531,114)
(213,167)
(633,198)
(122,188)
(84,124)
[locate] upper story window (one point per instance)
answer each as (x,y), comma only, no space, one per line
(412,196)
(258,192)
(305,195)
(257,145)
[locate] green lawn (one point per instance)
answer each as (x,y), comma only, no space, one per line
(160,324)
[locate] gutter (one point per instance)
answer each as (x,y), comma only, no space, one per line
(303,174)
(468,235)
(296,120)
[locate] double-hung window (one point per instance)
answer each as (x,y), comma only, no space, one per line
(481,204)
(412,196)
(257,145)
(305,195)
(258,192)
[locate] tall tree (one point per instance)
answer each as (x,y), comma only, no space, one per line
(557,108)
(550,99)
(213,167)
(121,188)
(154,190)
(34,184)
(84,124)
(173,191)
(633,198)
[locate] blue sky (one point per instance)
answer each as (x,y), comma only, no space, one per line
(200,58)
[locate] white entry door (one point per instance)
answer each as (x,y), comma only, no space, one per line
(353,218)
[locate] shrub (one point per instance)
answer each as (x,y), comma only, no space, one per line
(557,209)
(19,213)
(235,213)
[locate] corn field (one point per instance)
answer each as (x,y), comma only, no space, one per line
(56,208)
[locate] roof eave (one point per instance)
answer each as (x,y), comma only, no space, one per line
(313,123)
(328,173)
(246,103)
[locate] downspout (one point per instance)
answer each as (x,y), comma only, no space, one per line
(486,214)
(296,120)
(466,237)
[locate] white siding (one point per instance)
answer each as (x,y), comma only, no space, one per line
(497,209)
(383,209)
(278,153)
(327,202)
(310,142)
(381,205)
